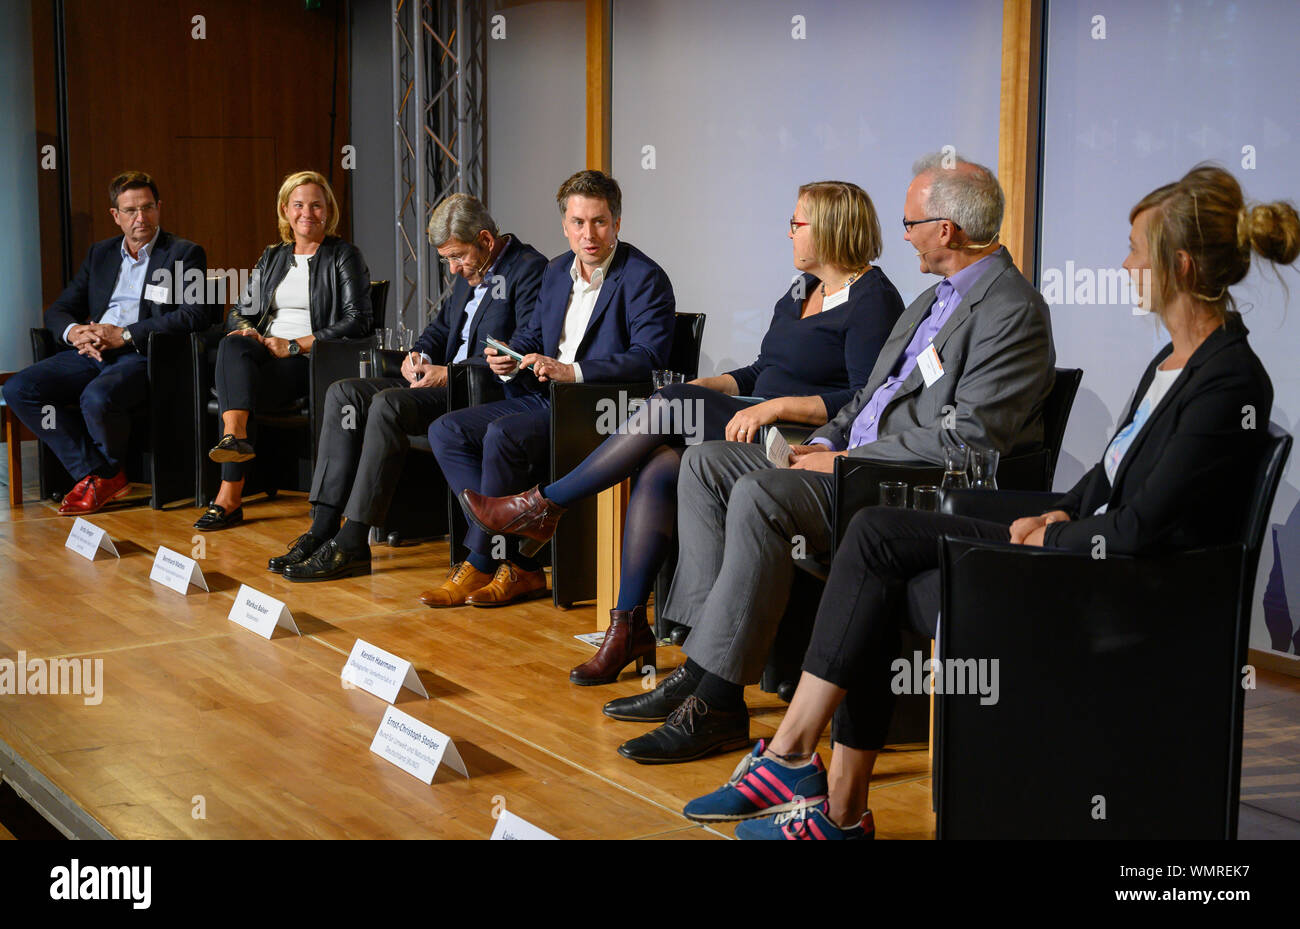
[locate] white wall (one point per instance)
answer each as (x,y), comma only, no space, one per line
(1170,85)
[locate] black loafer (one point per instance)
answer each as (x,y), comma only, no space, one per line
(300,549)
(217,518)
(693,731)
(653,706)
(230,449)
(328,563)
(679,634)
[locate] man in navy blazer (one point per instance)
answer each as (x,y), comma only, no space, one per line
(79,403)
(605,313)
(363,440)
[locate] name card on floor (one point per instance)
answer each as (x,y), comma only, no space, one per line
(510,826)
(176,571)
(415,747)
(86,539)
(380,672)
(260,612)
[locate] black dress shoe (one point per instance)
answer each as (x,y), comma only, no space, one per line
(300,549)
(230,449)
(329,562)
(656,705)
(679,634)
(693,731)
(216,518)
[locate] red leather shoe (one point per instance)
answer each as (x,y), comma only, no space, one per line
(527,514)
(103,490)
(74,496)
(629,639)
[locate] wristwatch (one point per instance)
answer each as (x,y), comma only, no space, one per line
(127,340)
(294,347)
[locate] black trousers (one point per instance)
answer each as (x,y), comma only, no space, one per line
(363,442)
(856,637)
(249,378)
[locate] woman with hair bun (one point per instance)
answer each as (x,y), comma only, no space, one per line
(1176,475)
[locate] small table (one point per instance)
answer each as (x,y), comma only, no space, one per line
(14,433)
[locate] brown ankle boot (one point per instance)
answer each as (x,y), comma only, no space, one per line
(526,514)
(628,638)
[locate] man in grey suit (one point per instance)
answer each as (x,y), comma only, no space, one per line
(972,355)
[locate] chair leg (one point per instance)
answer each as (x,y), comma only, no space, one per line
(14,445)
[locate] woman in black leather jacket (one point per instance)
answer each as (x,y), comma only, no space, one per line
(312,285)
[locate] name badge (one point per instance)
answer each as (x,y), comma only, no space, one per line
(414,747)
(381,673)
(174,570)
(511,827)
(835,299)
(155,293)
(931,367)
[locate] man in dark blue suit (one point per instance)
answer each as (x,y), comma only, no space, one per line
(363,440)
(605,313)
(143,281)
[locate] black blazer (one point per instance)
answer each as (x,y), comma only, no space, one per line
(507,306)
(86,298)
(338,291)
(1186,478)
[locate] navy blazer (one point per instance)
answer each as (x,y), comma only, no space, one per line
(1186,479)
(86,298)
(506,307)
(630,332)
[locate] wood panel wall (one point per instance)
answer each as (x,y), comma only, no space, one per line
(218,121)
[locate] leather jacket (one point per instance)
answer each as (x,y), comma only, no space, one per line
(338,289)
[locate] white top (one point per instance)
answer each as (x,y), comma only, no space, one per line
(291,318)
(1119,446)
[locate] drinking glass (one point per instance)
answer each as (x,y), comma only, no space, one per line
(663,378)
(925,497)
(955,458)
(893,493)
(385,336)
(984,468)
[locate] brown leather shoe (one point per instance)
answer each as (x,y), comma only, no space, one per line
(628,638)
(509,585)
(528,514)
(456,588)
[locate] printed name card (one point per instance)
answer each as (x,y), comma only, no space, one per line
(261,613)
(415,747)
(380,672)
(176,571)
(510,826)
(86,539)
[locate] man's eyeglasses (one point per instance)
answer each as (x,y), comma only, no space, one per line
(795,224)
(909,223)
(133,211)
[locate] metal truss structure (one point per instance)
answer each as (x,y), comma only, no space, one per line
(438,137)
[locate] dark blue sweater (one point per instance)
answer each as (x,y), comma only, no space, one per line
(830,354)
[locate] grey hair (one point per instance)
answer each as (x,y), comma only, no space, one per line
(460,217)
(971,197)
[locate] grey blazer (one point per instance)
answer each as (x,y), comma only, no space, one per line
(998,367)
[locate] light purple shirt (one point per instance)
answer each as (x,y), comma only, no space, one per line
(947,296)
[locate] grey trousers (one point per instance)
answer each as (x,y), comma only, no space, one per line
(364,440)
(741,522)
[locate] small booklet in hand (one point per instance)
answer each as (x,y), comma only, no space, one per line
(502,348)
(778,449)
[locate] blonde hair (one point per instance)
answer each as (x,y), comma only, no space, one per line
(1205,215)
(842,219)
(292,183)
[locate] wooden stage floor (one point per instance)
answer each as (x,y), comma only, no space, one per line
(198,712)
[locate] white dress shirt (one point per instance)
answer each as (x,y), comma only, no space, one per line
(124,304)
(291,318)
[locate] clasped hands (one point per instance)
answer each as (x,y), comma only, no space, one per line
(277,347)
(544,367)
(93,339)
(1028,530)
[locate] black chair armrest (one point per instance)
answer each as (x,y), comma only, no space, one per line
(471,384)
(43,344)
(387,362)
(1002,506)
(857,484)
(331,360)
(584,415)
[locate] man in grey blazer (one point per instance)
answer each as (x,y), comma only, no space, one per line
(972,355)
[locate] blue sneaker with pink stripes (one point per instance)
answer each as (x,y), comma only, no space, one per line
(761,787)
(809,825)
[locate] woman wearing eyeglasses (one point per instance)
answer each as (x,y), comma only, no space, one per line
(1175,476)
(818,351)
(311,285)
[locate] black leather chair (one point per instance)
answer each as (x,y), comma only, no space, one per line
(857,484)
(287,438)
(1119,713)
(154,456)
